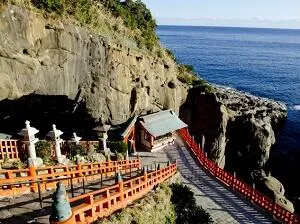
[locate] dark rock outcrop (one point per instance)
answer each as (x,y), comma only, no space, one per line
(273,188)
(237,126)
(239,131)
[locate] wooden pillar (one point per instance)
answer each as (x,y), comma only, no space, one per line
(146,177)
(121,190)
(32,174)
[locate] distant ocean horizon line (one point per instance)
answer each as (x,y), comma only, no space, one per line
(237,27)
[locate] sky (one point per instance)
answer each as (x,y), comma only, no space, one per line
(249,13)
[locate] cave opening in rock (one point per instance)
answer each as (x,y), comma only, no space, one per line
(43,111)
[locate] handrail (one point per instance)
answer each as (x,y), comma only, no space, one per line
(234,183)
(12,183)
(12,150)
(100,203)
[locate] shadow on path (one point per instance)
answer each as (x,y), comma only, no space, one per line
(224,199)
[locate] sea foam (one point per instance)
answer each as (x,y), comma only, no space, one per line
(296,107)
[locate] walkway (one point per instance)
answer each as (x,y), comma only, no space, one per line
(223,205)
(27,208)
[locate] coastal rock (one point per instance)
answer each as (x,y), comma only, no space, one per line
(237,126)
(239,131)
(273,188)
(57,58)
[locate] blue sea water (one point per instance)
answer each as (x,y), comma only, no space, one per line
(264,62)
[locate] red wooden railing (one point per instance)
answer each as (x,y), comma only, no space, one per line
(8,150)
(20,181)
(13,149)
(100,203)
(234,183)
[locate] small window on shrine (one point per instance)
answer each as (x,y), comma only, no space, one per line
(147,137)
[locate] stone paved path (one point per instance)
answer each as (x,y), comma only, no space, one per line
(223,205)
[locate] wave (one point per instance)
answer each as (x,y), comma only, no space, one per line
(296,107)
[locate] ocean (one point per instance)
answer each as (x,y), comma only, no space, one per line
(264,62)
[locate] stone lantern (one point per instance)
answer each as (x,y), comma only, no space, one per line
(76,138)
(102,134)
(29,140)
(55,134)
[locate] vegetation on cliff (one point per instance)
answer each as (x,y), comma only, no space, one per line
(154,208)
(165,205)
(129,23)
(135,16)
(186,74)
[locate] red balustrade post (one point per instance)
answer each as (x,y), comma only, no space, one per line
(205,160)
(252,192)
(233,180)
(10,179)
(121,191)
(146,177)
(109,201)
(32,174)
(79,172)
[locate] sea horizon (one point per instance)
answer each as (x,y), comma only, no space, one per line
(238,27)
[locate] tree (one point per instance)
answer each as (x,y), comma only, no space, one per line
(187,211)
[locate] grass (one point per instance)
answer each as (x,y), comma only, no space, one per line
(170,204)
(154,208)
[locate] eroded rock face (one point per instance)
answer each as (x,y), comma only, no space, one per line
(54,58)
(237,127)
(273,188)
(239,131)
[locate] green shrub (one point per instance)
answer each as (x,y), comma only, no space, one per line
(135,16)
(73,150)
(43,150)
(56,6)
(186,74)
(118,146)
(187,211)
(203,86)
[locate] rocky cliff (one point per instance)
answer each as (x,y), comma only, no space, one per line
(236,126)
(239,131)
(39,56)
